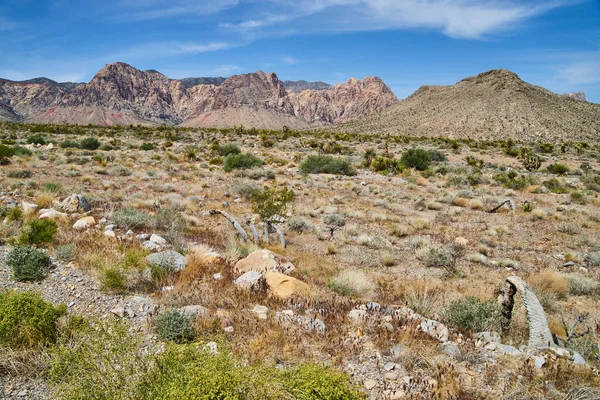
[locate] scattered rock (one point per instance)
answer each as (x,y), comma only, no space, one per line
(357,315)
(195,310)
(263,261)
(218,276)
(452,350)
(75,203)
(539,362)
(397,350)
(509,350)
(28,208)
(84,223)
(283,286)
(158,240)
(151,246)
(251,280)
(389,366)
(118,311)
(51,213)
(370,384)
(461,241)
(261,311)
(169,260)
(578,359)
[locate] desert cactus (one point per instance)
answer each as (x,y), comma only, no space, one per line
(532,163)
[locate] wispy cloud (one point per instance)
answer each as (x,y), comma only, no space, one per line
(131,11)
(289,60)
(584,71)
(168,49)
(464,19)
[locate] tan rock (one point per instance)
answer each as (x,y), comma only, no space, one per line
(84,223)
(461,241)
(263,261)
(284,286)
(51,214)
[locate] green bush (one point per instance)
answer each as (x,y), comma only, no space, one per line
(472,314)
(21,174)
(52,187)
(241,161)
(147,146)
(130,218)
(90,143)
(69,144)
(557,169)
(437,156)
(387,165)
(312,382)
(26,320)
(227,149)
(334,219)
(36,139)
(28,264)
(176,326)
(112,280)
(6,151)
(416,158)
(66,252)
(38,232)
(321,164)
(105,362)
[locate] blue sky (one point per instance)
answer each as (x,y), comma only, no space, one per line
(408,43)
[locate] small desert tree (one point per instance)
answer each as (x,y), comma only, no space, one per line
(271,204)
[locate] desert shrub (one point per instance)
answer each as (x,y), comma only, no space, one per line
(312,382)
(387,165)
(570,228)
(66,252)
(36,139)
(28,264)
(473,314)
(90,143)
(256,173)
(121,170)
(416,158)
(6,151)
(551,282)
(227,149)
(322,164)
(241,161)
(130,218)
(594,259)
(176,326)
(38,232)
(299,224)
(512,180)
(437,156)
(353,283)
(4,161)
(557,169)
(20,174)
(69,144)
(442,257)
(578,198)
(104,361)
(112,280)
(244,189)
(22,151)
(52,187)
(146,146)
(580,285)
(26,320)
(334,219)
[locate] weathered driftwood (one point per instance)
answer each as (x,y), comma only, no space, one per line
(539,332)
(511,205)
(233,221)
(254,231)
(280,234)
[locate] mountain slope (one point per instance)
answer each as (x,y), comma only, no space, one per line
(493,105)
(122,94)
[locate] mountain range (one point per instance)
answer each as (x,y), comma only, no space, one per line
(493,105)
(122,94)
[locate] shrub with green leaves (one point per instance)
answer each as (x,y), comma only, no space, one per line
(6,151)
(241,161)
(112,280)
(270,202)
(38,232)
(130,218)
(322,164)
(147,146)
(27,321)
(473,314)
(312,382)
(66,252)
(36,139)
(90,143)
(558,169)
(69,144)
(176,326)
(227,149)
(27,263)
(416,158)
(387,165)
(21,174)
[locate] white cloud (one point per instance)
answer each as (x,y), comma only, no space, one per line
(467,19)
(583,72)
(290,60)
(137,10)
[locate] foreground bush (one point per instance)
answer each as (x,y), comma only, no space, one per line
(176,326)
(38,232)
(28,264)
(318,164)
(227,149)
(106,362)
(241,161)
(416,158)
(472,314)
(90,143)
(26,320)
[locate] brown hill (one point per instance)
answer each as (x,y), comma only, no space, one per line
(121,94)
(492,105)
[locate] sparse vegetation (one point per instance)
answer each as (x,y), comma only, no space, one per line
(28,264)
(320,164)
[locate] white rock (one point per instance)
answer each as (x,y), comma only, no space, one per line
(28,208)
(357,315)
(370,384)
(84,223)
(51,214)
(169,260)
(211,347)
(110,234)
(218,276)
(251,280)
(261,311)
(158,239)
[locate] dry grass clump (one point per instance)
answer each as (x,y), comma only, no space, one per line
(424,297)
(420,223)
(44,200)
(550,282)
(354,283)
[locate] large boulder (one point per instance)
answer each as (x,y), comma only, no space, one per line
(51,213)
(75,203)
(284,286)
(263,261)
(169,260)
(84,223)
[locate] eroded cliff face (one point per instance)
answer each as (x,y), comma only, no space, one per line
(121,94)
